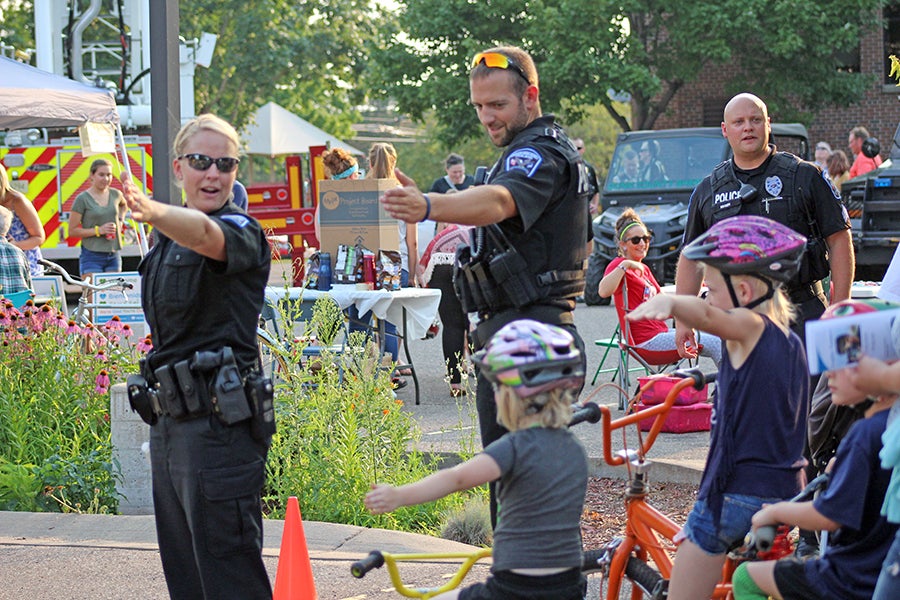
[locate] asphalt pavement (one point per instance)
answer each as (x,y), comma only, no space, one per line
(116,557)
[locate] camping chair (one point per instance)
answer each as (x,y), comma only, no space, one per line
(612,343)
(653,361)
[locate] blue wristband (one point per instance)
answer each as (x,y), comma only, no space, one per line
(427,208)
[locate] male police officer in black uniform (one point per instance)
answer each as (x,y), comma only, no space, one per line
(759,180)
(528,249)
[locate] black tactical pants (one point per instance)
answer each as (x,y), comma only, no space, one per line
(207,480)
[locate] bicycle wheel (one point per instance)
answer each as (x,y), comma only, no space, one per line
(272,357)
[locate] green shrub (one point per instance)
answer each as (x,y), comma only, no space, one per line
(471,524)
(55,451)
(340,430)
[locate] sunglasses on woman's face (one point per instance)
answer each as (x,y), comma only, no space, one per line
(202,162)
(639,238)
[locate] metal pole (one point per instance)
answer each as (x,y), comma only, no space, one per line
(138,227)
(165,101)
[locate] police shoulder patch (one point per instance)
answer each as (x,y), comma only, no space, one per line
(830,183)
(240,221)
(525,159)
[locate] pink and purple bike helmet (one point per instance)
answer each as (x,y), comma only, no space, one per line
(750,245)
(531,357)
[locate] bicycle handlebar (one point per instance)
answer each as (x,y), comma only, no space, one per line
(690,377)
(375,560)
(118,283)
(763,537)
(589,412)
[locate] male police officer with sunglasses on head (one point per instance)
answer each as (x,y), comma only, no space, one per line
(525,260)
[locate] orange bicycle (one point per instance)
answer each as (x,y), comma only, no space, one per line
(645,554)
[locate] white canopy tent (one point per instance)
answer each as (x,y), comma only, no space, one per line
(275,131)
(30,97)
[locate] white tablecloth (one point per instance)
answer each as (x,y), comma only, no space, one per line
(421,304)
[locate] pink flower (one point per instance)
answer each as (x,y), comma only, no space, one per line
(72,328)
(102,382)
(101,355)
(145,345)
(46,314)
(114,324)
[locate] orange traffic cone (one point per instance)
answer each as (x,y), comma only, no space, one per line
(294,578)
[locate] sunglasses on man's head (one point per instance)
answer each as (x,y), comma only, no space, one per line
(640,238)
(202,162)
(495,60)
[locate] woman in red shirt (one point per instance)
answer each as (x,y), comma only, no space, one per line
(651,335)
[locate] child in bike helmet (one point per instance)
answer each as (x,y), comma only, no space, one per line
(762,398)
(540,466)
(850,508)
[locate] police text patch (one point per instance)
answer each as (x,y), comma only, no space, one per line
(240,220)
(525,159)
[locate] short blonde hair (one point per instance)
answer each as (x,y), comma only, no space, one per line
(205,122)
(778,308)
(551,409)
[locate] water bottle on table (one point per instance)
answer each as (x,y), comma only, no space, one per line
(324,271)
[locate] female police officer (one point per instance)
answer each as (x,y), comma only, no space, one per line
(202,288)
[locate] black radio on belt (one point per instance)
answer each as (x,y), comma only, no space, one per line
(226,388)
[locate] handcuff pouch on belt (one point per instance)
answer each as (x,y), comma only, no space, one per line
(490,281)
(208,382)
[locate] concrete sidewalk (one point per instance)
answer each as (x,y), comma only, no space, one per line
(46,555)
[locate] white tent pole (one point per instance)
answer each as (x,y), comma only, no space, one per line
(138,227)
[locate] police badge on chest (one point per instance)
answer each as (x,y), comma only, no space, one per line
(773,186)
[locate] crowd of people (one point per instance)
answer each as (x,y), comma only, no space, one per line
(761,262)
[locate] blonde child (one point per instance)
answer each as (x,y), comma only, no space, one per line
(850,508)
(762,398)
(540,467)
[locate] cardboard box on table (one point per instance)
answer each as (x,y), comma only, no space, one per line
(350,212)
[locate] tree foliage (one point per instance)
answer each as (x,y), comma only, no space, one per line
(308,55)
(787,53)
(17,24)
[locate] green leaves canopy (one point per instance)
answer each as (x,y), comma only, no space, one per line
(786,52)
(306,55)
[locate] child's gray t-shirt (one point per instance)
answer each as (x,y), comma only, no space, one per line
(540,495)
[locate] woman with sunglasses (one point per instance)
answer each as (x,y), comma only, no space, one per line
(96,217)
(634,242)
(203,286)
